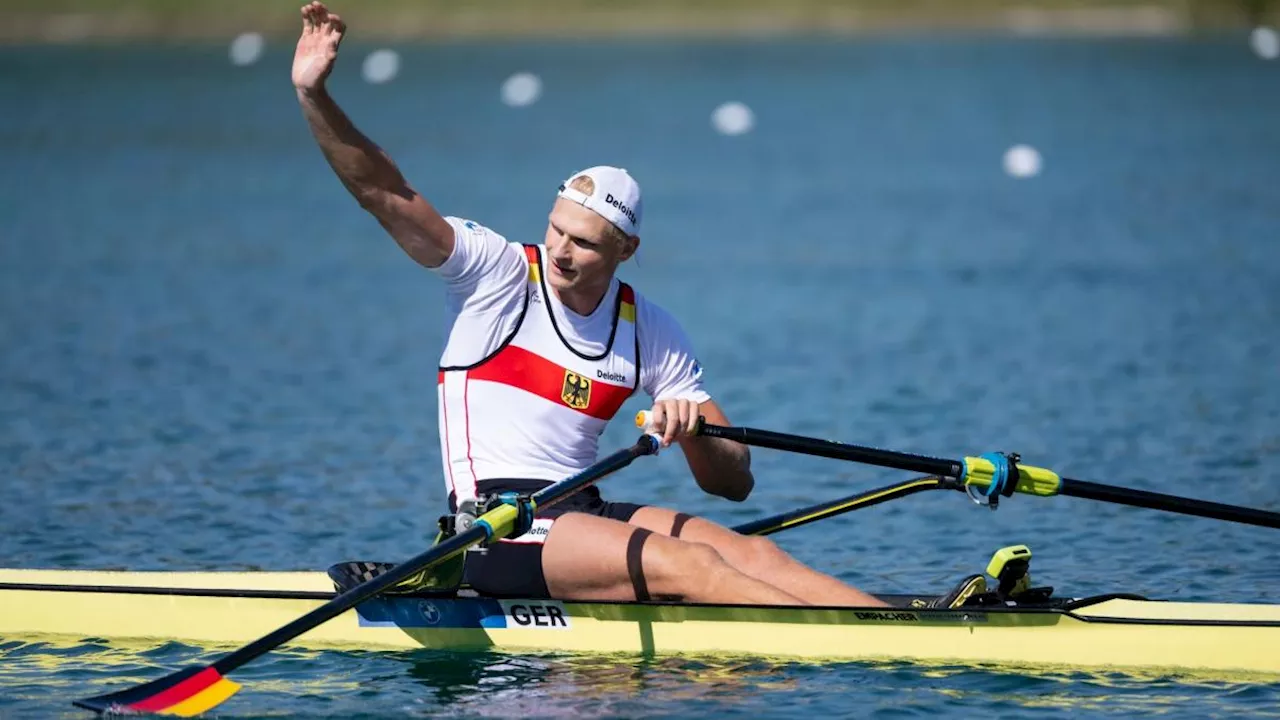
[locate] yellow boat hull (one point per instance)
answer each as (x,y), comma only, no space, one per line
(234,608)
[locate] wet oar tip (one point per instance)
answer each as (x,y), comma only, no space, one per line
(186,693)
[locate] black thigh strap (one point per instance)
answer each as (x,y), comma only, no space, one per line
(678,524)
(635,547)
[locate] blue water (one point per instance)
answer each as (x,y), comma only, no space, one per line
(212,359)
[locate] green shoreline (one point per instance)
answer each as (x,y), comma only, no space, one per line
(72,21)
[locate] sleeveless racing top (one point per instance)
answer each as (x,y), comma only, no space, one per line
(536,407)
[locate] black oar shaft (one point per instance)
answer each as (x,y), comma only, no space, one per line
(835,450)
(438,553)
(954,469)
(1169,503)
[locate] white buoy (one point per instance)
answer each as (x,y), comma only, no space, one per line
(246,48)
(521,89)
(381,66)
(733,118)
(1265,42)
(1022,161)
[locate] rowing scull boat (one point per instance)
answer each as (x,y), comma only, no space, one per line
(1015,624)
(225,607)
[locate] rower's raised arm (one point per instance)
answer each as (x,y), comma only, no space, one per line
(365,170)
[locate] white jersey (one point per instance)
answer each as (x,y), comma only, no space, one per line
(526,386)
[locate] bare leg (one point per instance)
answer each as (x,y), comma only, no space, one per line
(585,558)
(760,558)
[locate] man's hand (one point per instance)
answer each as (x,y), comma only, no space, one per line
(673,419)
(317,51)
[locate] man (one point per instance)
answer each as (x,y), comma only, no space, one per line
(544,346)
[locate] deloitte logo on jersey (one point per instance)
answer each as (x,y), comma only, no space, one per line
(615,377)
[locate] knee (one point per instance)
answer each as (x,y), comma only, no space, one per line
(695,559)
(761,552)
(686,566)
(700,556)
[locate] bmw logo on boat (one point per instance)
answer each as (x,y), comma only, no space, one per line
(430,613)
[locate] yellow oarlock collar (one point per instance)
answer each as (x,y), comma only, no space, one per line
(980,472)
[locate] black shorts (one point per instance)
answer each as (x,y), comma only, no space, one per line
(513,568)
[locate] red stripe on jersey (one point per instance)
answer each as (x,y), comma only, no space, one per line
(532,373)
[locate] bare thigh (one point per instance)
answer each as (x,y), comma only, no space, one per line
(747,553)
(758,557)
(585,557)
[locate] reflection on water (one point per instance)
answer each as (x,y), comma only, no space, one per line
(40,677)
(589,685)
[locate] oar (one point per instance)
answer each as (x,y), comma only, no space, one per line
(984,472)
(195,690)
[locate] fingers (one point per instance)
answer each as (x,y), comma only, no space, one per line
(691,422)
(658,422)
(673,419)
(671,428)
(316,16)
(681,420)
(313,14)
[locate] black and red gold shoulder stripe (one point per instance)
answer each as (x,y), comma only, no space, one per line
(627,310)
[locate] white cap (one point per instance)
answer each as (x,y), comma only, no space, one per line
(616,196)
